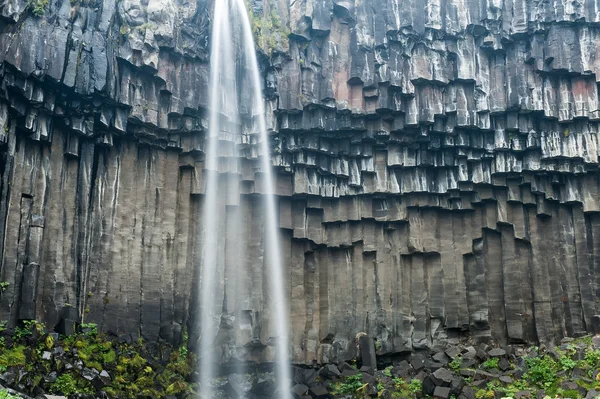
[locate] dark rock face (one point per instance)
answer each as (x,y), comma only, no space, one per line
(437,171)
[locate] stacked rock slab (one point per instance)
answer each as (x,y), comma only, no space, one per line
(437,171)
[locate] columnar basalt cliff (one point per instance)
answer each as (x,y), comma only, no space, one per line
(437,170)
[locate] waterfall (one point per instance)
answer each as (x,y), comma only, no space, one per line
(223,115)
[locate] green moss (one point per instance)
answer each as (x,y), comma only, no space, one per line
(266,29)
(38,7)
(455,363)
(109,357)
(132,373)
(491,363)
(13,357)
(68,384)
(485,394)
(542,371)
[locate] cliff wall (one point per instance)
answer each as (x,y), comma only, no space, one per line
(437,170)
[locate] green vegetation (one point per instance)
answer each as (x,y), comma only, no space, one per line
(4,394)
(415,385)
(130,370)
(38,7)
(12,357)
(266,30)
(491,363)
(4,285)
(67,384)
(350,385)
(455,363)
(542,371)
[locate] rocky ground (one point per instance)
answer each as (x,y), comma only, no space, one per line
(85,364)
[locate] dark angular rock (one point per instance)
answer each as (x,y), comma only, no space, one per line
(372,389)
(467,393)
(442,358)
(367,378)
(319,392)
(478,383)
(417,361)
(403,369)
(433,365)
(329,371)
(367,351)
(457,385)
(89,374)
(573,386)
(299,390)
(453,352)
(483,375)
(51,377)
(347,370)
(504,364)
(467,373)
(592,394)
(306,376)
(428,385)
(442,393)
(442,377)
(578,372)
(497,352)
(264,387)
(469,353)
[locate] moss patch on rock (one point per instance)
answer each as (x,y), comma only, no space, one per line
(36,361)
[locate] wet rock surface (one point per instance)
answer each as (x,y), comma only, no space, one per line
(437,172)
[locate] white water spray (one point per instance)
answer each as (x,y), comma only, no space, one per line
(222,89)
(276,280)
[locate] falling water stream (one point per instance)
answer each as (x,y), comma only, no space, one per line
(223,101)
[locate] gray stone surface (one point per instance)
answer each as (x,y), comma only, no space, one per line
(437,171)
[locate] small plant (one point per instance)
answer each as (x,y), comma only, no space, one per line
(455,363)
(592,357)
(491,363)
(93,327)
(4,394)
(485,394)
(566,363)
(415,385)
(12,357)
(388,371)
(183,349)
(4,285)
(352,384)
(38,7)
(67,385)
(542,371)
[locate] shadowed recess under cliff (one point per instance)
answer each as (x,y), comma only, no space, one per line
(437,169)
